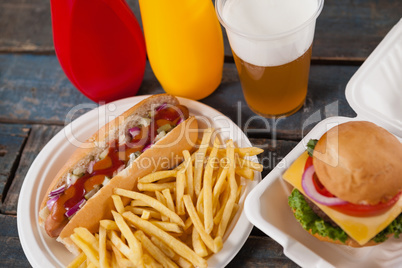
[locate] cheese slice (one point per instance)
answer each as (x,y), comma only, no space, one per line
(361,229)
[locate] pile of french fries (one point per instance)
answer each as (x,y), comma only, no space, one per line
(177,218)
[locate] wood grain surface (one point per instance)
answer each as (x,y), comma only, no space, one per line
(26,27)
(36,100)
(35,89)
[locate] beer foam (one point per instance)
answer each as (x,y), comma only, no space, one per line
(251,25)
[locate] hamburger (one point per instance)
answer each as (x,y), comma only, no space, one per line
(348,185)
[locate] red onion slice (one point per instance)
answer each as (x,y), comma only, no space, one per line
(134,131)
(75,208)
(311,191)
(163,106)
(146,147)
(51,202)
(57,192)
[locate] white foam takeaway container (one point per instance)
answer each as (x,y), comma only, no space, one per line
(375,94)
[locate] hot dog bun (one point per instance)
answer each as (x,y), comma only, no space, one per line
(162,155)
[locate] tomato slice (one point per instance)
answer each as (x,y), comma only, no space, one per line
(349,208)
(366,210)
(309,162)
(317,184)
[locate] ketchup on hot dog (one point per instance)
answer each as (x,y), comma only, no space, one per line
(117,157)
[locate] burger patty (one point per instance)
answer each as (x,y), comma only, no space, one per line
(319,212)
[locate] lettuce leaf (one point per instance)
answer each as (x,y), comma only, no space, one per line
(312,222)
(395,227)
(310,146)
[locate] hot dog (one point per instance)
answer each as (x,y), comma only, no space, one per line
(148,137)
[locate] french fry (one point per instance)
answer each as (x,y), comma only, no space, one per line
(156,176)
(90,252)
(161,198)
(207,189)
(198,244)
(233,190)
(140,211)
(152,203)
(80,259)
(180,185)
(154,251)
(169,199)
(120,259)
(199,204)
(109,225)
(248,151)
(244,152)
(88,237)
(183,164)
(187,223)
(138,203)
(213,245)
(124,249)
(103,254)
(238,194)
(199,160)
(184,263)
(250,164)
(156,186)
(168,226)
(178,246)
(146,215)
(189,206)
(135,246)
(220,182)
(150,262)
(188,165)
(118,203)
(245,172)
(91,265)
(163,247)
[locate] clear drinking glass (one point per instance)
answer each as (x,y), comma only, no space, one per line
(271,42)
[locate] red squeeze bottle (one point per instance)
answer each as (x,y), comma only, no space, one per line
(100,47)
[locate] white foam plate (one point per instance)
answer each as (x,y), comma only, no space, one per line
(43,251)
(375,93)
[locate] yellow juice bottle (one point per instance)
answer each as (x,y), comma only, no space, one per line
(184,44)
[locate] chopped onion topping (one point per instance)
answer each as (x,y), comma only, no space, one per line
(160,135)
(71,179)
(78,171)
(90,168)
(51,202)
(133,156)
(311,191)
(145,121)
(105,181)
(134,131)
(75,208)
(92,192)
(103,154)
(165,127)
(57,191)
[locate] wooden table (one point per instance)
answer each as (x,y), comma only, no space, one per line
(35,97)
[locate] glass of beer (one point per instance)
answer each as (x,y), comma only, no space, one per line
(271,42)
